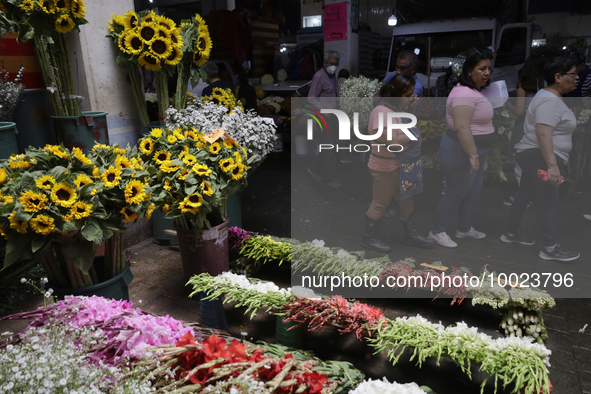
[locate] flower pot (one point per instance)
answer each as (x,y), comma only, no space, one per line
(234,206)
(33,119)
(292,338)
(8,145)
(115,288)
(82,131)
(206,253)
(212,313)
(159,224)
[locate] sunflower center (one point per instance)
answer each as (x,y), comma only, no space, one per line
(63,195)
(79,210)
(162,157)
(111,177)
(75,7)
(147,33)
(172,55)
(64,23)
(164,25)
(128,212)
(133,192)
(202,170)
(60,4)
(197,57)
(150,60)
(133,21)
(226,164)
(159,47)
(46,183)
(136,43)
(236,170)
(42,223)
(35,201)
(201,44)
(173,39)
(194,199)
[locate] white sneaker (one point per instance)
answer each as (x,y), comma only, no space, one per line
(443,239)
(588,217)
(472,233)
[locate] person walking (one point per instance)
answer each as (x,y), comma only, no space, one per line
(394,175)
(464,148)
(323,94)
(547,141)
(213,79)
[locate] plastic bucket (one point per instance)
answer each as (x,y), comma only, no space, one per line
(212,313)
(208,253)
(159,224)
(8,145)
(82,131)
(234,206)
(116,288)
(291,338)
(33,119)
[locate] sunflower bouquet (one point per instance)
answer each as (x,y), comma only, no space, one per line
(224,97)
(196,50)
(59,205)
(46,22)
(192,174)
(152,41)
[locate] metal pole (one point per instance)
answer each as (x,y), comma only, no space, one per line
(429,66)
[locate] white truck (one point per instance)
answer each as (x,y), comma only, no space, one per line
(437,42)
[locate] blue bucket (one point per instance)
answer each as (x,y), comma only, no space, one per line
(82,131)
(33,119)
(8,145)
(212,313)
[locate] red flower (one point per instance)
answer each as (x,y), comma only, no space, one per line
(315,380)
(257,356)
(236,350)
(187,339)
(213,346)
(200,376)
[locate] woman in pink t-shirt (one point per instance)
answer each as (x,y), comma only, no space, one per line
(385,168)
(464,147)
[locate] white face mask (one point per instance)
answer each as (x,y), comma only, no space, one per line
(331,69)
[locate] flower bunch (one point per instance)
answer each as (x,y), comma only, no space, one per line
(70,200)
(383,386)
(125,332)
(46,22)
(192,174)
(10,94)
(224,364)
(236,236)
(584,116)
(224,97)
(357,96)
(337,311)
(251,131)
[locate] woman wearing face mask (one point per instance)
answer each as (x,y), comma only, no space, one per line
(464,147)
(394,175)
(547,141)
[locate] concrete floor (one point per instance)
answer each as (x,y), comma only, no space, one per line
(158,284)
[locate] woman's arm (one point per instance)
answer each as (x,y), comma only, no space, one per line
(544,134)
(462,115)
(519,107)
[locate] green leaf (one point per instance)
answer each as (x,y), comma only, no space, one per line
(92,231)
(25,32)
(55,172)
(81,253)
(69,226)
(427,390)
(27,181)
(39,243)
(15,247)
(23,216)
(86,190)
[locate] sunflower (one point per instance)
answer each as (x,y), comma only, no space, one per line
(176,38)
(204,44)
(56,150)
(191,203)
(82,180)
(171,139)
(167,186)
(62,6)
(45,182)
(131,20)
(128,214)
(165,22)
(122,42)
(147,32)
(202,29)
(161,156)
(80,156)
(8,199)
(228,144)
(63,195)
(166,208)
(192,133)
(215,148)
(238,171)
(189,160)
(122,162)
(3,175)
(237,157)
(201,170)
(2,231)
(149,62)
(42,224)
(156,133)
(98,147)
(135,164)
(18,226)
(178,133)
(161,47)
(147,146)
(227,164)
(33,202)
(168,167)
(28,5)
(3,7)
(64,24)
(134,43)
(199,19)
(135,191)
(149,211)
(77,8)
(19,163)
(198,59)
(79,211)
(47,6)
(96,172)
(207,189)
(151,17)
(111,177)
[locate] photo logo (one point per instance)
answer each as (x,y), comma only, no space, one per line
(315,115)
(345,124)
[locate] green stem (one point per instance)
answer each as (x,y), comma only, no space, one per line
(67,77)
(138,92)
(162,93)
(180,100)
(43,59)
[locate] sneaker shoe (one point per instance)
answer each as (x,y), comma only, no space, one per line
(347,160)
(472,233)
(517,238)
(443,239)
(314,175)
(334,184)
(588,217)
(508,202)
(559,254)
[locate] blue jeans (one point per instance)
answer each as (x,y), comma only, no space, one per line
(462,189)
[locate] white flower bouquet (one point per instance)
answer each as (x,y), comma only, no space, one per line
(254,133)
(357,96)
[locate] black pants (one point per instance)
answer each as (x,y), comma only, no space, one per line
(325,162)
(544,194)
